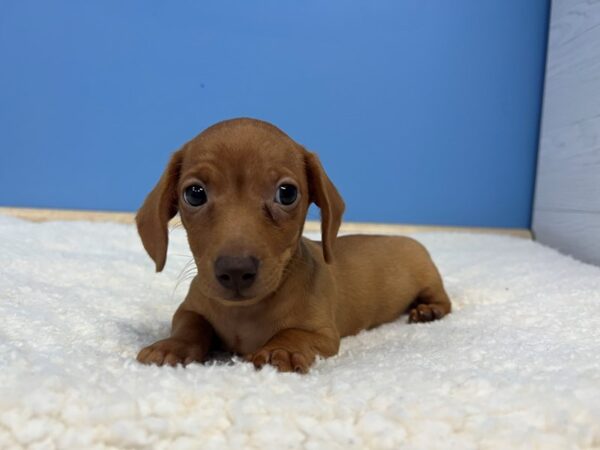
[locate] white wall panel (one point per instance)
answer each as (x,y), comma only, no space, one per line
(567,202)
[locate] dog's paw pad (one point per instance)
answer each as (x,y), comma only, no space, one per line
(425,313)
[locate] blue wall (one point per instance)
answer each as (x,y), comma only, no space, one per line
(422,111)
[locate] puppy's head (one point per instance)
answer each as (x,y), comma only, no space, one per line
(242,189)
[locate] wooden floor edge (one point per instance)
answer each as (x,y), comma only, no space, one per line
(44,215)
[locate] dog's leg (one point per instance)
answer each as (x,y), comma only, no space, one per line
(431,304)
(295,350)
(190,341)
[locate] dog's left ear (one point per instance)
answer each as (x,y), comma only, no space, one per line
(324,194)
(160,206)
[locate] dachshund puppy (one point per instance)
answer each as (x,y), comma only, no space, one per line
(242,189)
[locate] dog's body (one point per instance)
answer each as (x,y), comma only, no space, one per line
(263,290)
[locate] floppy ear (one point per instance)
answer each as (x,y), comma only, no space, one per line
(324,194)
(159,207)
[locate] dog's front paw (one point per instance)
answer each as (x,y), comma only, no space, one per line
(284,360)
(172,351)
(426,313)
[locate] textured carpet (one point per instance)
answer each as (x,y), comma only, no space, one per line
(516,365)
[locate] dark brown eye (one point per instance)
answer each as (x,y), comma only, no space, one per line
(195,195)
(286,194)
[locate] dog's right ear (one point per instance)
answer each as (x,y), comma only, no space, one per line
(160,206)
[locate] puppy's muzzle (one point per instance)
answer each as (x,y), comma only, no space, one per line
(236,273)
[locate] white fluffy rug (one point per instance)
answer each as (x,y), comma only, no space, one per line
(517,364)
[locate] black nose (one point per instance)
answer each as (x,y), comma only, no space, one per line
(236,272)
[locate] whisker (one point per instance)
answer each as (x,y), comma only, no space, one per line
(175,226)
(188,272)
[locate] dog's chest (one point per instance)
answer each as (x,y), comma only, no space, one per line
(243,335)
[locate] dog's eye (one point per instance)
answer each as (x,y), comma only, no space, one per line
(195,195)
(286,194)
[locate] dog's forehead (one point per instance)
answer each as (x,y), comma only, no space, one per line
(246,146)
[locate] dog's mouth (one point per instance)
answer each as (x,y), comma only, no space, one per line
(239,300)
(245,297)
(237,297)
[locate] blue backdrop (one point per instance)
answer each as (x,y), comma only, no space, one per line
(422,111)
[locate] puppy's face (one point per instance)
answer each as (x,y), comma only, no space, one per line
(242,189)
(242,198)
